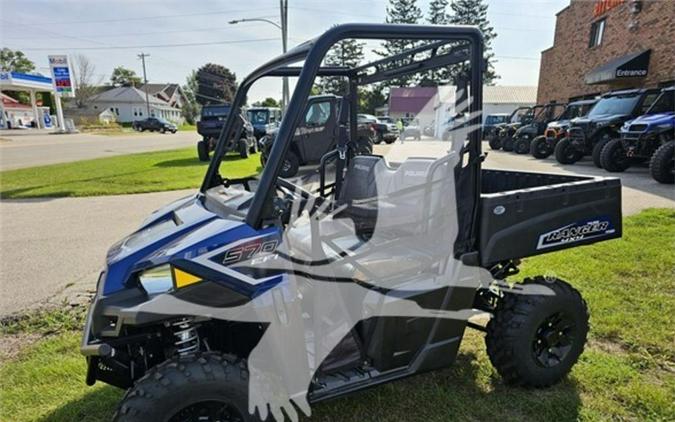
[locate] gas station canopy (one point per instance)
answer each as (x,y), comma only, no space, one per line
(15,81)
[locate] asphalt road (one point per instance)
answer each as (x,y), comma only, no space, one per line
(51,249)
(19,149)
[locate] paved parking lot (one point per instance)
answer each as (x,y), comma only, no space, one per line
(50,248)
(28,148)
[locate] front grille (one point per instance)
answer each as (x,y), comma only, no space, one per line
(638,128)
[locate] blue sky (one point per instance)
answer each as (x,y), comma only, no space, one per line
(92,27)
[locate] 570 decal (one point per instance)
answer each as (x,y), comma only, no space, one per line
(250,250)
(576,232)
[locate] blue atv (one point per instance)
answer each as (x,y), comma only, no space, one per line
(648,137)
(156,325)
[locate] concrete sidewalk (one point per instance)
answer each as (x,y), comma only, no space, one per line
(22,149)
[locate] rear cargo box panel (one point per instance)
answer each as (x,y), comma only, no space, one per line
(525,214)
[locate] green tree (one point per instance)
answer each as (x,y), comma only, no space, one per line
(474,12)
(438,15)
(191,107)
(371,98)
(122,76)
(268,102)
(401,11)
(216,84)
(347,53)
(15,61)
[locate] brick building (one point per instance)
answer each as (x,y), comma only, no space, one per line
(603,45)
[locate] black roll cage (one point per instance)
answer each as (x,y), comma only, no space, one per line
(313,53)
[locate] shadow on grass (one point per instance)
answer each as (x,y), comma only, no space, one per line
(462,392)
(192,161)
(96,406)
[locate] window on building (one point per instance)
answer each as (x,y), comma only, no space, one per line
(597,32)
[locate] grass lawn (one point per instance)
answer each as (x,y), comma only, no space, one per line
(626,373)
(134,173)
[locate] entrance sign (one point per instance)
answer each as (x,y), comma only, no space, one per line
(61,75)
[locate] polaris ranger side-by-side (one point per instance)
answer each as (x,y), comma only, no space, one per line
(543,146)
(525,134)
(589,135)
(649,137)
(210,125)
(502,134)
(155,326)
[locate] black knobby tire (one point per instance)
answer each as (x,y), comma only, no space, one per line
(507,144)
(533,340)
(613,157)
(172,390)
(662,163)
(540,147)
(597,149)
(203,151)
(566,153)
(521,146)
(290,166)
(243,148)
(495,143)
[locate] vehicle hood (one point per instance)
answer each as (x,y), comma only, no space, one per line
(655,119)
(559,124)
(179,231)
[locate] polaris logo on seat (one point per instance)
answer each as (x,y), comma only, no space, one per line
(576,232)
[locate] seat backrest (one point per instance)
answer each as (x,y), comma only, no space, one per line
(359,182)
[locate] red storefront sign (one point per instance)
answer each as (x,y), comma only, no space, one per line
(602,6)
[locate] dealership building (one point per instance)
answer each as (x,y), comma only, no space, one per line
(606,45)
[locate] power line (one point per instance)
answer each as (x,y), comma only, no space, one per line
(129,34)
(128,47)
(141,18)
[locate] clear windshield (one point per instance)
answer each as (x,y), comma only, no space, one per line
(664,104)
(623,104)
(258,117)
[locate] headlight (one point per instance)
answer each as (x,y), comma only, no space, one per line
(156,280)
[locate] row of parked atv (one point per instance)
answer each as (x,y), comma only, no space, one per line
(617,130)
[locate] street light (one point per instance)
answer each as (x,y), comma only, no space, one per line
(284,40)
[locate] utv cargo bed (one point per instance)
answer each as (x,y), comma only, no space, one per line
(525,214)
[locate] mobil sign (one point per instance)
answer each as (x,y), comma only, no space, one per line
(61,75)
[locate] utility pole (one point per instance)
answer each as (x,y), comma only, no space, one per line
(283,4)
(142,56)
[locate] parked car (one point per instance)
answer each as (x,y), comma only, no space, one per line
(494,120)
(589,135)
(210,125)
(316,135)
(263,120)
(384,131)
(648,137)
(501,134)
(154,124)
(411,129)
(543,146)
(392,133)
